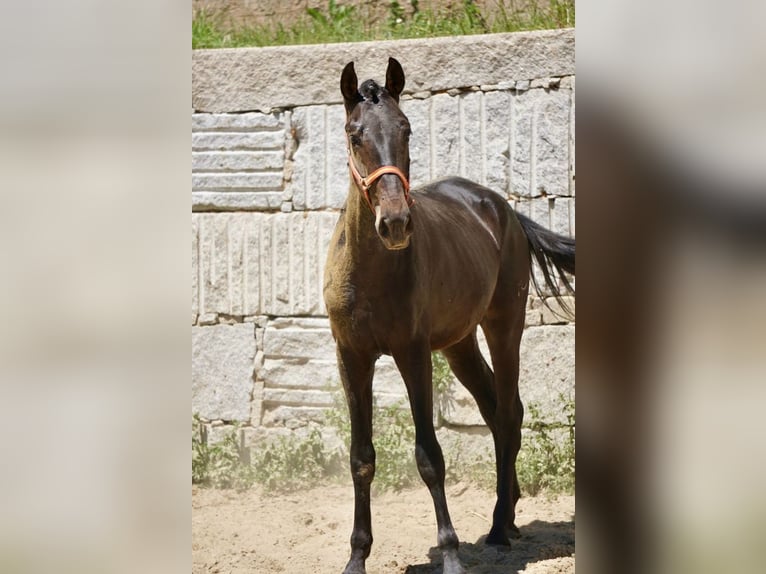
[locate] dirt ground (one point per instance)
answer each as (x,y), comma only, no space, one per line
(308,532)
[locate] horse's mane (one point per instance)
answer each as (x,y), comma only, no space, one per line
(371,91)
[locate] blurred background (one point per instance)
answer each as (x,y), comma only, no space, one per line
(94,173)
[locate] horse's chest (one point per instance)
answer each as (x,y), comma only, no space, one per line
(358,317)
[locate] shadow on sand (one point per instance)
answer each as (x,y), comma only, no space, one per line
(539,541)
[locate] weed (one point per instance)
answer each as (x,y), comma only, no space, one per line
(342,23)
(293,462)
(286,464)
(471,464)
(546,461)
(222,465)
(393,438)
(545,464)
(442,375)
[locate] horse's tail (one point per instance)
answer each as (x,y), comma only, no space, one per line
(555,254)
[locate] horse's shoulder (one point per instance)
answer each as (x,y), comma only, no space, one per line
(459,190)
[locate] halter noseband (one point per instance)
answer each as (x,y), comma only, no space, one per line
(365,183)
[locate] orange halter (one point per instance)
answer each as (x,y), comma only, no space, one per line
(365,183)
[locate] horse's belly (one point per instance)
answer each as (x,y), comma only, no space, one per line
(455,320)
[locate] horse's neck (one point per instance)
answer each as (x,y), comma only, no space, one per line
(364,249)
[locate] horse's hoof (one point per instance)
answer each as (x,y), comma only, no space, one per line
(497,537)
(355,567)
(452,564)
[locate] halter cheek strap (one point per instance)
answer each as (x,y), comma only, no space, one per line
(365,183)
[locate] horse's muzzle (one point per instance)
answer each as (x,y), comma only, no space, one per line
(394,229)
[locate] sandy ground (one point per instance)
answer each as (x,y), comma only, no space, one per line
(308,532)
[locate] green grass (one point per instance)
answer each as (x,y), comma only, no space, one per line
(546,461)
(342,23)
(545,465)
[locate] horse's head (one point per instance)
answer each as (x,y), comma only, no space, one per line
(378,136)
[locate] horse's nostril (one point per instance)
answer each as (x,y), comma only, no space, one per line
(383,229)
(408,225)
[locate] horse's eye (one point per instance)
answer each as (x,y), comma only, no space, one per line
(356,140)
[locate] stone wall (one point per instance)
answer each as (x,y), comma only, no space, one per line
(269,175)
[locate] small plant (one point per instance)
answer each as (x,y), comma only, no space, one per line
(343,23)
(286,464)
(393,438)
(221,465)
(442,374)
(293,462)
(546,461)
(465,463)
(545,464)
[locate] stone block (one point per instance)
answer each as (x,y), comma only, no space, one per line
(297,397)
(547,368)
(559,215)
(572,147)
(522,113)
(257,140)
(471,144)
(300,373)
(551,143)
(314,146)
(458,408)
(256,403)
(540,212)
(237,160)
(292,417)
(572,218)
(216,433)
(337,175)
(300,338)
(320,171)
(266,181)
(553,313)
(195,267)
(259,264)
(236,200)
(222,371)
(418,113)
(445,140)
(522,85)
(387,379)
(232,122)
(465,444)
(250,79)
(497,135)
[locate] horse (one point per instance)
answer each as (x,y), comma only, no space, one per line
(412,271)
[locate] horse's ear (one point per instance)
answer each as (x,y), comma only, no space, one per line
(348,87)
(394,78)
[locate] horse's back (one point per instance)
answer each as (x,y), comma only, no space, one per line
(460,232)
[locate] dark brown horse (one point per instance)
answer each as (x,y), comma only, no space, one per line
(409,274)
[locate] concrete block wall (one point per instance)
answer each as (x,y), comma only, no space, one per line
(269,176)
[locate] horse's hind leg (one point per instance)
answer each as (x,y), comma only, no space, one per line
(471,369)
(503,327)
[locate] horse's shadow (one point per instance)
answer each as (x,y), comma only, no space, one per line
(539,541)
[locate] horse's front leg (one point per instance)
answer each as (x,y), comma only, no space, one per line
(356,371)
(414,362)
